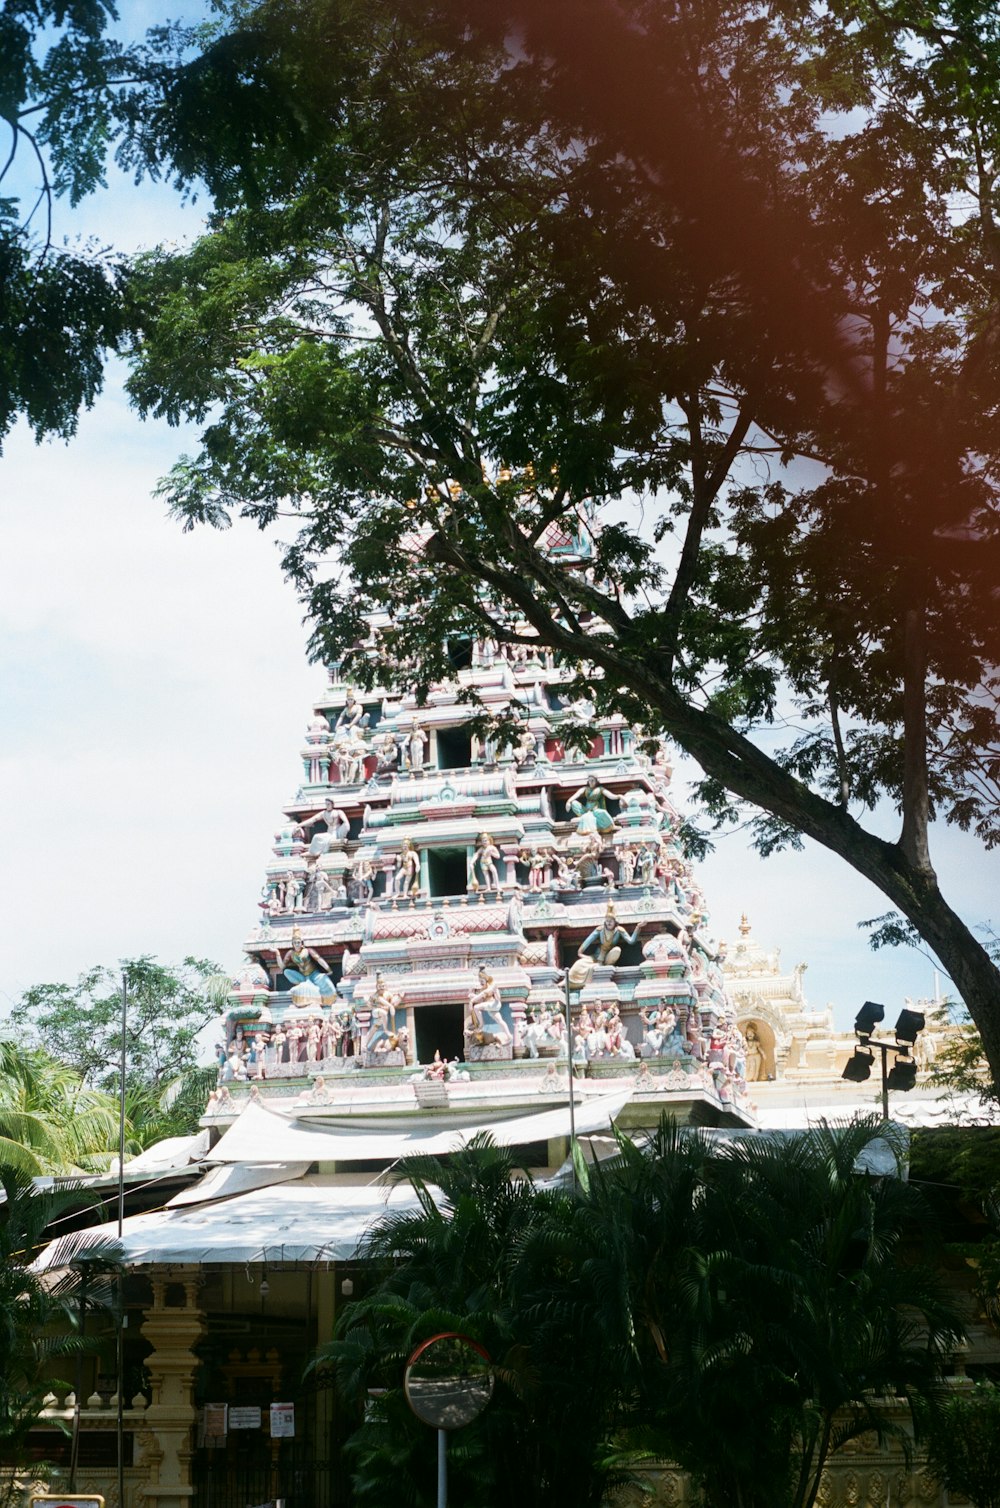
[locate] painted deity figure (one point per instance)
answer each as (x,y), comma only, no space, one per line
(563,878)
(363,879)
(319,891)
(294,888)
(646,865)
(627,857)
(608,939)
(386,754)
(302,964)
(385,1004)
(590,806)
(485,875)
(754,1054)
(534,860)
(406,876)
(415,746)
(589,869)
(337,827)
(350,754)
(524,749)
(484,1008)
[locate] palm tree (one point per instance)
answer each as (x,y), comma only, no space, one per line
(49,1121)
(480,1257)
(38,1320)
(793,1299)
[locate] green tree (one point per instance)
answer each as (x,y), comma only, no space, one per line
(484,297)
(168,1007)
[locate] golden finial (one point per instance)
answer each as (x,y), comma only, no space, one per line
(744,925)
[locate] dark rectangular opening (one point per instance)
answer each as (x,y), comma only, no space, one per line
(447,871)
(460,653)
(439,1028)
(454,749)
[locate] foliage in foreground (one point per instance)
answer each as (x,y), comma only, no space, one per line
(736,1307)
(39,1322)
(963,1444)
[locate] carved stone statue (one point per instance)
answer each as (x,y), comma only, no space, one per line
(350,753)
(589,869)
(319,892)
(535,860)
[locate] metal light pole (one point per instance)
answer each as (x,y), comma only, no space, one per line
(903,1074)
(572,1085)
(121,1274)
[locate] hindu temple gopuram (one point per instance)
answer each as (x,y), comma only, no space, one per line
(446,908)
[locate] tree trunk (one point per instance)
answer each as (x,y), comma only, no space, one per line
(747,772)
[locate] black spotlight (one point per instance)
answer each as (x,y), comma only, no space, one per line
(867,1018)
(859,1066)
(908,1025)
(902,1074)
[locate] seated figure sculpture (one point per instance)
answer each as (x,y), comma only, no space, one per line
(302,964)
(590,805)
(334,821)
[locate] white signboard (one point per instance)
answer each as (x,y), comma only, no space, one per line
(214,1420)
(247,1416)
(282,1419)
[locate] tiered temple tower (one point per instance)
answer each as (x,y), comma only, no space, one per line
(436,900)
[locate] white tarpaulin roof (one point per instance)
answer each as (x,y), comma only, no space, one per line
(264,1135)
(304,1219)
(309,1220)
(230,1179)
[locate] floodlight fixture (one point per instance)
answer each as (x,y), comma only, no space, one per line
(859,1066)
(908,1026)
(868,1017)
(902,1074)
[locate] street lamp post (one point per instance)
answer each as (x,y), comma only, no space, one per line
(903,1073)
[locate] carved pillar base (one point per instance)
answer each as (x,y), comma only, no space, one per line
(173,1325)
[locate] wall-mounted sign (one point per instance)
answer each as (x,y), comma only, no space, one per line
(282,1419)
(247,1416)
(214,1421)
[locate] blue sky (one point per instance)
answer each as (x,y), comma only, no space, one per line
(155,692)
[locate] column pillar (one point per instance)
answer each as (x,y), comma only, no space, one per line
(173,1325)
